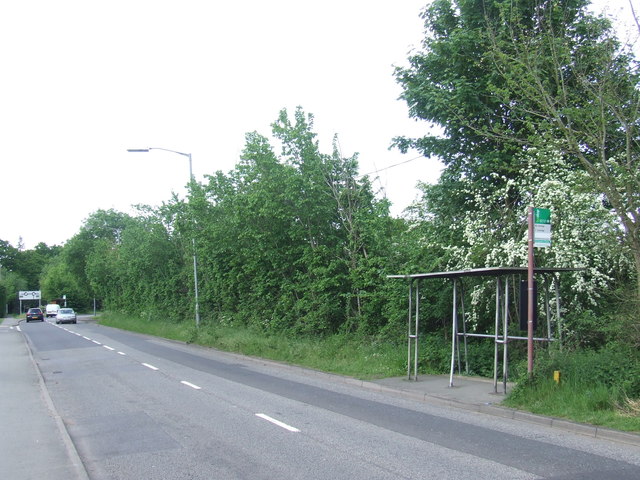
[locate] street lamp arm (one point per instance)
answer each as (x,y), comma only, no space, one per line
(172,151)
(142,150)
(145,150)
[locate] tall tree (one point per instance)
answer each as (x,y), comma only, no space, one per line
(451,85)
(569,71)
(500,77)
(100,226)
(291,241)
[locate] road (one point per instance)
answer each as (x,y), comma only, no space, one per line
(138,407)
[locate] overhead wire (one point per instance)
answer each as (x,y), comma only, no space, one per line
(377,170)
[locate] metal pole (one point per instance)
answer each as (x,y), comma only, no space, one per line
(409,336)
(195,255)
(547,307)
(556,283)
(195,281)
(530,297)
(415,364)
(505,357)
(464,332)
(495,337)
(454,330)
(193,238)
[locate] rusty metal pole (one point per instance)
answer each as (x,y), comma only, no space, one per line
(530,297)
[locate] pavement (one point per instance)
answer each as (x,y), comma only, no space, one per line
(30,423)
(34,441)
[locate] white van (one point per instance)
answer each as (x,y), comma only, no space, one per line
(52,310)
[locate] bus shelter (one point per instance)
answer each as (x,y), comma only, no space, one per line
(505,277)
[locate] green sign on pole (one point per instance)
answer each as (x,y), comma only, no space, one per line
(541,227)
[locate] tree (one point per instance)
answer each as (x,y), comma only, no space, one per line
(450,84)
(22,269)
(503,77)
(8,255)
(583,89)
(67,272)
(291,241)
(57,280)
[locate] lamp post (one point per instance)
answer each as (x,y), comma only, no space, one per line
(193,239)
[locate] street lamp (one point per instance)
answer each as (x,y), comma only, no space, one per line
(193,239)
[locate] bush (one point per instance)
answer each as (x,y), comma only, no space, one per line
(434,354)
(616,367)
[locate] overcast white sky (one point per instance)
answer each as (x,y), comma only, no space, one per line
(83,81)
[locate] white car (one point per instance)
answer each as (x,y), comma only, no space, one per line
(66,315)
(52,309)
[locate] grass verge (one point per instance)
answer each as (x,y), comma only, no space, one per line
(593,403)
(354,356)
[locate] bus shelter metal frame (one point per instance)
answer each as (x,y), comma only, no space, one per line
(502,275)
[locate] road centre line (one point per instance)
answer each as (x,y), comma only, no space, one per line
(98,343)
(277,422)
(189,384)
(184,382)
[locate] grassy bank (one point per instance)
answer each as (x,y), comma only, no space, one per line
(594,404)
(590,402)
(342,354)
(596,386)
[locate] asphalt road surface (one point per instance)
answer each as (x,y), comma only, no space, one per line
(137,407)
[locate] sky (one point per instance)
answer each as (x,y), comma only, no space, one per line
(83,81)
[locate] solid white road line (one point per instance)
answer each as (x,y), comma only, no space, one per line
(189,384)
(150,366)
(277,422)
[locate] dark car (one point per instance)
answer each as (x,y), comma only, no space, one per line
(35,314)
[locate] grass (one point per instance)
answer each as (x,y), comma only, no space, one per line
(593,403)
(369,358)
(353,356)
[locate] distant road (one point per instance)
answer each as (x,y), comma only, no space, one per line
(141,408)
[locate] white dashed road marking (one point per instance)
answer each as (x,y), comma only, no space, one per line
(277,422)
(184,382)
(189,384)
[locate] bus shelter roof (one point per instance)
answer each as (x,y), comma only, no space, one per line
(486,272)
